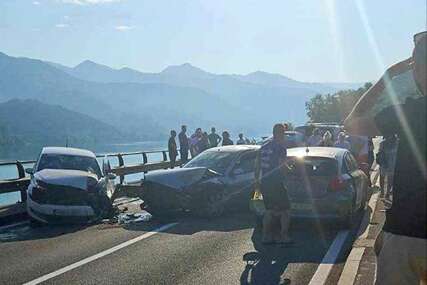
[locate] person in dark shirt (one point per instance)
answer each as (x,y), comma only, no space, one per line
(183,144)
(226,139)
(203,143)
(402,245)
(269,177)
(173,152)
(241,140)
(371,155)
(214,138)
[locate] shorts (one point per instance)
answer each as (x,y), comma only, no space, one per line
(402,260)
(275,195)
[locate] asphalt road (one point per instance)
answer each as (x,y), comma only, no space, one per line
(226,250)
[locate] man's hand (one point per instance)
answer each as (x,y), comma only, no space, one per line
(358,121)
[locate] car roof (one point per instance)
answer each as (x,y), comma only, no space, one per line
(329,152)
(68,151)
(234,148)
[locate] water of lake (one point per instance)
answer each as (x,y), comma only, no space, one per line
(10,171)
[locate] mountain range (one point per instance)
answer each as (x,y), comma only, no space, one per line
(142,106)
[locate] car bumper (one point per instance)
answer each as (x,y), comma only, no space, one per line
(59,214)
(325,208)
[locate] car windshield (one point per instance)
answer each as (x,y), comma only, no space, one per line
(56,161)
(312,166)
(215,160)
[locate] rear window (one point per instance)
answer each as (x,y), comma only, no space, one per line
(312,166)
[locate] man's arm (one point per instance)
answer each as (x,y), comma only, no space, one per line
(365,103)
(358,121)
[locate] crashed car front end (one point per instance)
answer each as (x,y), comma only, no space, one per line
(178,189)
(66,196)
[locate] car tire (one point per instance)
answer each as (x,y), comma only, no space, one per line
(212,205)
(348,221)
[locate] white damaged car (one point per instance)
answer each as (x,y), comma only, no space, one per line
(68,186)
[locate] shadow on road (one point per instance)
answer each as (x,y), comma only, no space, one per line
(312,238)
(189,225)
(268,263)
(23,233)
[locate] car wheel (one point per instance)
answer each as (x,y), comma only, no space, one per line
(349,219)
(213,205)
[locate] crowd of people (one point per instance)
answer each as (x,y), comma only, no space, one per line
(198,142)
(327,140)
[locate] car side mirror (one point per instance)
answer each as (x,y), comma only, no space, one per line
(29,171)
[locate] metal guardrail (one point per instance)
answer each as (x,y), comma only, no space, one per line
(21,183)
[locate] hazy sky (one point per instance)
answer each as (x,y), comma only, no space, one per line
(308,40)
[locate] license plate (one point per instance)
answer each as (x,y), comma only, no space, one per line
(300,206)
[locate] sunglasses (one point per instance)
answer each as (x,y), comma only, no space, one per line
(419,36)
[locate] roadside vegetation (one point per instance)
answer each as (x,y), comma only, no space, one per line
(334,107)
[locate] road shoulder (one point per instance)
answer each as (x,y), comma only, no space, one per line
(360,266)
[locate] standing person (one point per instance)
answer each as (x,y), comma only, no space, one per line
(214,138)
(241,139)
(183,144)
(327,139)
(172,149)
(269,175)
(226,139)
(315,139)
(194,141)
(403,244)
(203,143)
(342,142)
(371,155)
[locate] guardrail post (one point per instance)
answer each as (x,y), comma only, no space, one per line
(21,174)
(144,159)
(121,163)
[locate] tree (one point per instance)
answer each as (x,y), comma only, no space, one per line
(334,107)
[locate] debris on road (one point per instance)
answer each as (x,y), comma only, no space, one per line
(130,218)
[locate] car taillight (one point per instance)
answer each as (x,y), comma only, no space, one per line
(336,184)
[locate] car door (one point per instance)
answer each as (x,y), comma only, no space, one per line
(241,177)
(356,175)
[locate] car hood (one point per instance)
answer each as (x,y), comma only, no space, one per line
(179,178)
(73,178)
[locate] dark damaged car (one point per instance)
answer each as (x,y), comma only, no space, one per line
(216,180)
(67,186)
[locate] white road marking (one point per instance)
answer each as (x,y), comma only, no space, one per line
(13,225)
(329,259)
(99,255)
